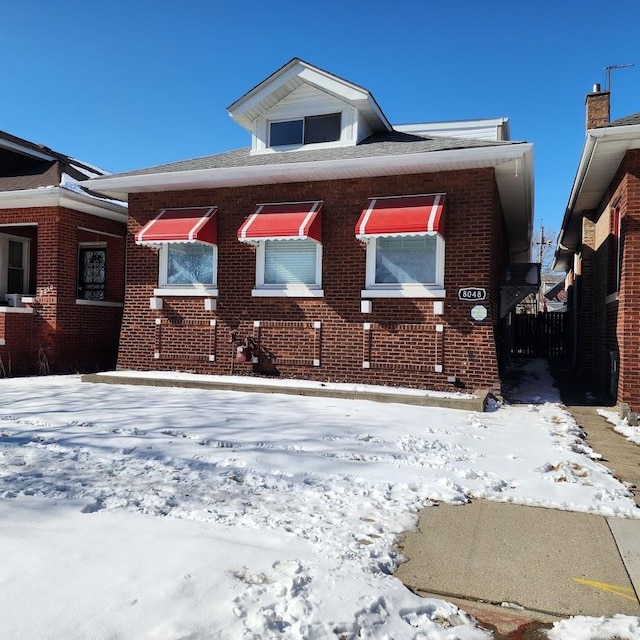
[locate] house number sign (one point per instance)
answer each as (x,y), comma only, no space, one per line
(472,294)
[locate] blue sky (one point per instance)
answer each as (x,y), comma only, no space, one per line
(133,83)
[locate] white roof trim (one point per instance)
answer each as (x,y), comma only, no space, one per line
(603,151)
(61,197)
(598,142)
(469,158)
(258,97)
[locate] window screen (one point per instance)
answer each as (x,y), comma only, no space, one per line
(288,132)
(322,128)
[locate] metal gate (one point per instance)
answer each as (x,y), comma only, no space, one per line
(543,335)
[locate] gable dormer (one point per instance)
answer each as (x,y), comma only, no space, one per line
(303,107)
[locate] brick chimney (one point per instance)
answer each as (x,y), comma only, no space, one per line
(598,108)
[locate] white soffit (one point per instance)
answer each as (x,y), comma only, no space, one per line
(604,150)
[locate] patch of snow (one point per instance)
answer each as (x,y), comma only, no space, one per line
(584,628)
(621,425)
(71,184)
(91,171)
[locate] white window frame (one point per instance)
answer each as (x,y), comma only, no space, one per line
(4,261)
(193,289)
(286,290)
(403,290)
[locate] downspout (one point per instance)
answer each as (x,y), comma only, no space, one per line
(576,298)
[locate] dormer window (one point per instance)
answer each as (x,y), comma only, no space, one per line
(309,130)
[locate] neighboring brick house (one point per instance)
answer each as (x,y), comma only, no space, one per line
(62,256)
(333,249)
(599,248)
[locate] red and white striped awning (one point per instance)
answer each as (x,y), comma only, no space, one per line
(402,216)
(283,221)
(189,224)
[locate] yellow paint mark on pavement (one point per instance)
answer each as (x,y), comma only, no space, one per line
(623,592)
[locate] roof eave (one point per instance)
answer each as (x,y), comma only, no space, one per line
(216,177)
(61,197)
(596,140)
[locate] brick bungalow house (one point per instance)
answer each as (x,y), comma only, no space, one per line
(61,264)
(599,248)
(335,248)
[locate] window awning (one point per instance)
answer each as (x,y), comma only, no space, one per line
(283,221)
(189,224)
(402,216)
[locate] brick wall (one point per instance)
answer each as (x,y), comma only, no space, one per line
(16,353)
(325,338)
(65,336)
(609,325)
(628,318)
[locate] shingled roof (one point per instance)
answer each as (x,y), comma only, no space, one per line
(623,122)
(380,144)
(27,165)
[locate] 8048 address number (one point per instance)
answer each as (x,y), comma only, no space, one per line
(472,293)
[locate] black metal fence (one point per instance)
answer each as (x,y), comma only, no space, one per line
(544,335)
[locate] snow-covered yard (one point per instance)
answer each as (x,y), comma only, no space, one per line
(143,513)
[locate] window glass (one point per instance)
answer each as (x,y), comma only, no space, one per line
(190,263)
(92,274)
(283,133)
(324,128)
(290,262)
(15,272)
(406,260)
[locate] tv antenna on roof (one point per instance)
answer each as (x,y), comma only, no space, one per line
(614,66)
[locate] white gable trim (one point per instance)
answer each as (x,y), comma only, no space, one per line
(283,82)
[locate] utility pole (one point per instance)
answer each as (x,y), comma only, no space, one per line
(542,242)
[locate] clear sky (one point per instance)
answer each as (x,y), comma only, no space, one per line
(126,84)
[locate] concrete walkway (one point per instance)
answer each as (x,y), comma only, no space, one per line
(511,565)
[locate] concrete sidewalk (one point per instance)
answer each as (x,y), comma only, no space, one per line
(511,565)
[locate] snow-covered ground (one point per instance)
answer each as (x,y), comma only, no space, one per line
(139,513)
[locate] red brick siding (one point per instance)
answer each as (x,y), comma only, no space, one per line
(404,341)
(16,354)
(609,328)
(69,336)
